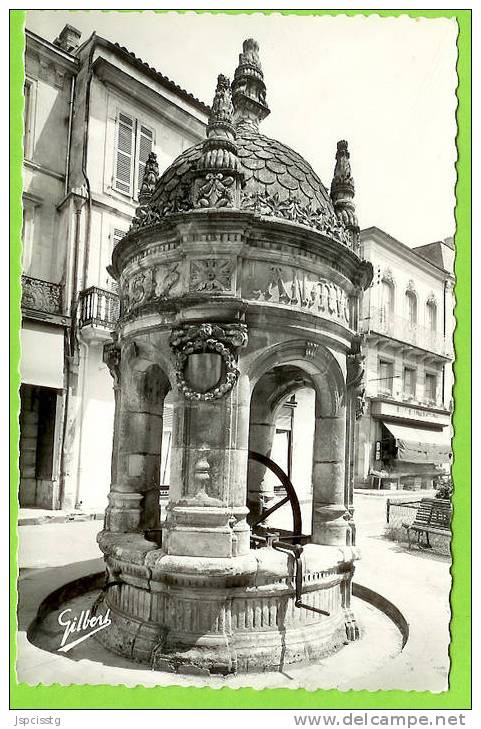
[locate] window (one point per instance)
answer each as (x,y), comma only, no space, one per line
(431,315)
(411,307)
(28,221)
(430,387)
(134,144)
(409,382)
(385,376)
(387,300)
(28,117)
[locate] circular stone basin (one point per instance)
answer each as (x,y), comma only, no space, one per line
(88,662)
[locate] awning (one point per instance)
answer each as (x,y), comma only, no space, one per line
(421,445)
(41,359)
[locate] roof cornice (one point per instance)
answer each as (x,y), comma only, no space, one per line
(49,50)
(396,246)
(151,72)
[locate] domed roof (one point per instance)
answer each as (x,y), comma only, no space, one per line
(237,167)
(272,173)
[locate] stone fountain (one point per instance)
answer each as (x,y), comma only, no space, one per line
(240,281)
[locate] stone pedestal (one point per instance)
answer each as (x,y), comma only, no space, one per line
(211,615)
(206,514)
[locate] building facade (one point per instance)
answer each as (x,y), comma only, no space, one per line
(404,433)
(93,113)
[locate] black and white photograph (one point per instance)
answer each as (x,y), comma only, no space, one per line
(238,269)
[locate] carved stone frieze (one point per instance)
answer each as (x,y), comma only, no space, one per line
(297,288)
(41,296)
(223,340)
(150,285)
(211,275)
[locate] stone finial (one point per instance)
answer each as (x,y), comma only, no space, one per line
(220,151)
(342,192)
(150,179)
(248,87)
(218,179)
(221,109)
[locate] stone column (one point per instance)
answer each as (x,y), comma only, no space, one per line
(206,514)
(134,494)
(330,518)
(262,429)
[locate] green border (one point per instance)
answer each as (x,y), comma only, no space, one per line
(121,697)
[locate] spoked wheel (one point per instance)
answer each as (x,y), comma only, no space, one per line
(291,496)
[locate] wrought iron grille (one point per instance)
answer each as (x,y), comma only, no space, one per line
(43,296)
(98,307)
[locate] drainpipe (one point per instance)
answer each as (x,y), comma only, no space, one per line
(83,345)
(71,345)
(75,341)
(84,166)
(69,134)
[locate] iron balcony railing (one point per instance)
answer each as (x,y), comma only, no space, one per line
(41,296)
(99,308)
(396,327)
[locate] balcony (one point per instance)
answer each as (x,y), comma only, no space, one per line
(42,299)
(401,330)
(99,310)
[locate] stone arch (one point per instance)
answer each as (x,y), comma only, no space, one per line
(315,360)
(330,515)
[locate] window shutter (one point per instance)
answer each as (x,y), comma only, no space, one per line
(125,154)
(146,140)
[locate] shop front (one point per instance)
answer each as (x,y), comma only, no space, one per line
(412,446)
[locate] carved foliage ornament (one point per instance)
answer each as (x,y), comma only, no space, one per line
(216,192)
(293,209)
(388,277)
(221,339)
(111,357)
(355,379)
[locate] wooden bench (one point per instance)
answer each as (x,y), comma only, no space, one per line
(433,516)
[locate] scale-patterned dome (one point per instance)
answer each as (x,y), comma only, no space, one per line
(271,171)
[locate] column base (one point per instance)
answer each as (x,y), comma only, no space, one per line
(123,513)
